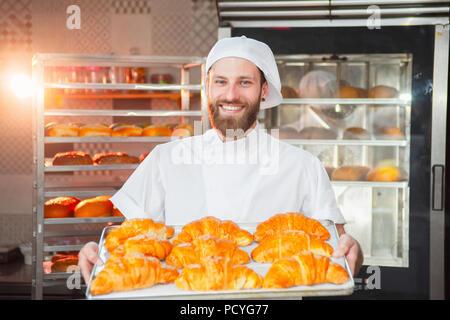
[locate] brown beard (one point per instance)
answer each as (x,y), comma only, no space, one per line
(233,123)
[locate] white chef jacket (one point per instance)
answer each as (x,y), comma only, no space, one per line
(245,180)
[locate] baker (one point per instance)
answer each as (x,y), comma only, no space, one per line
(235,170)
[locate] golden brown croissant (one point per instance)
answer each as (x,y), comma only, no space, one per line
(205,246)
(217,228)
(291,221)
(133,227)
(133,271)
(287,244)
(144,244)
(304,269)
(217,274)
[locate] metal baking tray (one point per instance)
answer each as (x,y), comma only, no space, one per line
(170,291)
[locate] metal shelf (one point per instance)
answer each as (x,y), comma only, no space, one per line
(124,113)
(83,220)
(397,102)
(78,193)
(101,167)
(377,143)
(124,86)
(371,184)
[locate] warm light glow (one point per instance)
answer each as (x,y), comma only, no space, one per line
(405,96)
(21,85)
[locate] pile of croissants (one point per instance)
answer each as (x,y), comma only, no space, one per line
(205,255)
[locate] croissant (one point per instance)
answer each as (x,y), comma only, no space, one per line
(133,271)
(287,244)
(217,274)
(212,226)
(291,221)
(133,227)
(144,244)
(205,246)
(304,269)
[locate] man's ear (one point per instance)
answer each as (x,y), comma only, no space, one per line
(265,90)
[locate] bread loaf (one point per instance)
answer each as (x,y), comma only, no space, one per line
(288,92)
(60,207)
(94,130)
(94,207)
(385,174)
(347,92)
(356,133)
(61,130)
(390,133)
(114,158)
(72,158)
(350,173)
(382,92)
(156,131)
(183,130)
(125,130)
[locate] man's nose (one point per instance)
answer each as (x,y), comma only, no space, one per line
(232,93)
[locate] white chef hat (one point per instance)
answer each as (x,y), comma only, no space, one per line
(257,52)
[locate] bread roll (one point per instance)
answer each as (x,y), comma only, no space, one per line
(60,263)
(350,173)
(60,207)
(61,130)
(288,92)
(116,212)
(125,130)
(143,156)
(382,92)
(183,130)
(157,131)
(316,133)
(94,207)
(362,93)
(94,130)
(347,92)
(390,133)
(330,171)
(72,158)
(356,133)
(114,158)
(385,174)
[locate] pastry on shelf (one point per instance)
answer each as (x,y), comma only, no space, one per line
(356,133)
(61,262)
(390,133)
(287,244)
(71,158)
(61,130)
(114,158)
(99,206)
(362,93)
(125,130)
(215,227)
(329,171)
(156,131)
(281,222)
(304,269)
(348,92)
(382,92)
(60,207)
(142,156)
(288,92)
(116,212)
(183,130)
(385,174)
(133,227)
(205,246)
(350,173)
(130,272)
(217,274)
(94,130)
(145,244)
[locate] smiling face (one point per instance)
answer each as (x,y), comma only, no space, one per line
(234,94)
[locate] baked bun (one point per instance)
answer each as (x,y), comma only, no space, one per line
(362,93)
(94,207)
(356,133)
(114,158)
(94,130)
(347,92)
(390,133)
(60,207)
(156,131)
(60,262)
(183,130)
(350,173)
(116,212)
(125,130)
(143,156)
(288,92)
(61,130)
(385,174)
(71,158)
(382,92)
(316,133)
(330,171)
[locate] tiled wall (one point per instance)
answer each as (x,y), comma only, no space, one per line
(155,27)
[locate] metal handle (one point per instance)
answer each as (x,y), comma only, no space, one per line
(437,192)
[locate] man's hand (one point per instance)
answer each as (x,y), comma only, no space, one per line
(349,247)
(87,257)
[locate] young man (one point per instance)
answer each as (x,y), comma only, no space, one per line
(234,171)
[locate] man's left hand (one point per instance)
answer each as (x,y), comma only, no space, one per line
(349,248)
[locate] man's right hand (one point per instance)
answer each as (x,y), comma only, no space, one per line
(87,257)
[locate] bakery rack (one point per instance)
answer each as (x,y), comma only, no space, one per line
(181,92)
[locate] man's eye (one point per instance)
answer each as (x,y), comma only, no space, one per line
(220,81)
